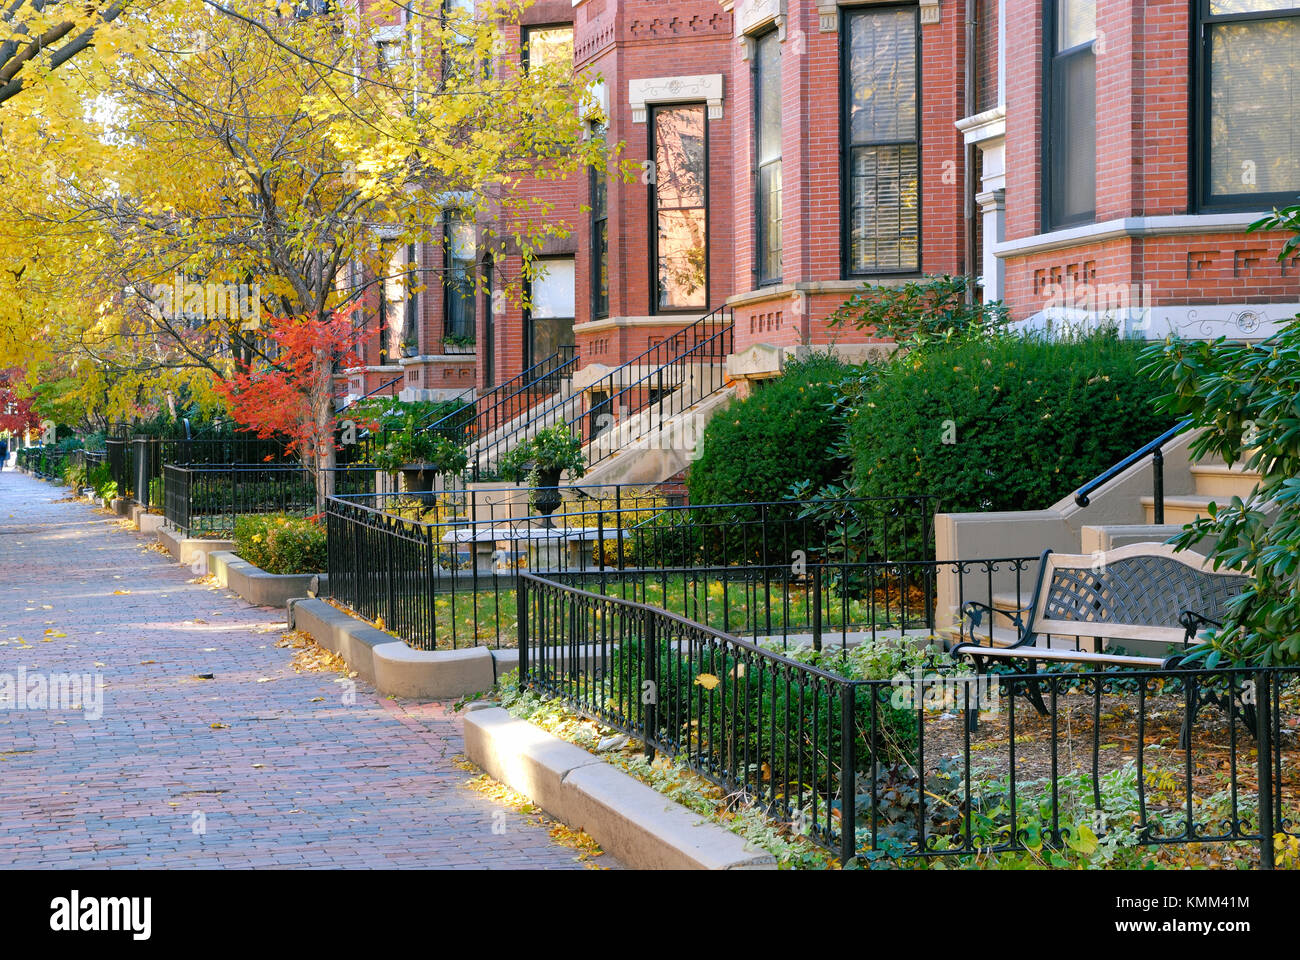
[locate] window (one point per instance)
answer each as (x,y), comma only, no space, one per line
(457,53)
(550,314)
(398,325)
(544,46)
(599,236)
(1248,123)
(1070,146)
(411,341)
(459,283)
(881,124)
(390,57)
(489,325)
(767,157)
(680,246)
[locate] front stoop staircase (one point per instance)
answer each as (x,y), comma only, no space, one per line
(1121,510)
(642,420)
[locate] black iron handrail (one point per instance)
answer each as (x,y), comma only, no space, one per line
(657,385)
(511,399)
(383,386)
(1154,449)
(713,329)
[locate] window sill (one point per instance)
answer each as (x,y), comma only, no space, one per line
(1127,227)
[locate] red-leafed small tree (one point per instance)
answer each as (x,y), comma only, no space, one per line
(291,395)
(16,414)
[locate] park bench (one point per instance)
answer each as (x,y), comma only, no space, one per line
(1143,592)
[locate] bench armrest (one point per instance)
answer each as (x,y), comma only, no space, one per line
(974,611)
(1191,621)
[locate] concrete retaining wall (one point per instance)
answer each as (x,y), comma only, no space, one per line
(637,824)
(259,587)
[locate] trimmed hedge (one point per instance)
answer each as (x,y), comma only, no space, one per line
(1007,423)
(278,543)
(757,448)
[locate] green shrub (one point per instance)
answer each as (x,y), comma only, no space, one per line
(100,479)
(1243,398)
(282,544)
(1001,422)
(927,307)
(756,449)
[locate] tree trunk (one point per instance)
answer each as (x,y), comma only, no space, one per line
(322,403)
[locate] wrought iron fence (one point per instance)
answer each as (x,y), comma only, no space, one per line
(820,605)
(879,770)
(438,567)
(148,455)
(117,454)
(204,501)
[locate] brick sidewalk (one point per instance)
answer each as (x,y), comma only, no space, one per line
(287,781)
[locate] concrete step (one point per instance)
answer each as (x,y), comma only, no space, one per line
(1108,536)
(1180,510)
(1221,480)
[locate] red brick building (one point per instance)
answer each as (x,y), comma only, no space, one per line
(1097,158)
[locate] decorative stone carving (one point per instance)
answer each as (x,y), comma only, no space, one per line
(828,16)
(758,362)
(929,11)
(754,15)
(650,90)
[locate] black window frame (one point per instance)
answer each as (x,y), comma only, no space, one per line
(1050,135)
(489,351)
(529,359)
(653,219)
(450,290)
(598,227)
(444,10)
(1201,199)
(846,146)
(411,338)
(528,28)
(761,254)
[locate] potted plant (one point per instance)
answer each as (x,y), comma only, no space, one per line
(457,344)
(541,459)
(419,456)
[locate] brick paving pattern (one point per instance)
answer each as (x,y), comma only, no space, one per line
(290,780)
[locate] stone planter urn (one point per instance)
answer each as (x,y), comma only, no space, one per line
(546,495)
(418,478)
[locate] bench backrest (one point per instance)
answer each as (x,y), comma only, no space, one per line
(1136,592)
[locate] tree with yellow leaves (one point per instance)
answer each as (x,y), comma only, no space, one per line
(259,151)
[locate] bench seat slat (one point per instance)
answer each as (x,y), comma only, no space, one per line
(1110,631)
(1046,653)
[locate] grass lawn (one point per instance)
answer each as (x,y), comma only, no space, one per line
(737,607)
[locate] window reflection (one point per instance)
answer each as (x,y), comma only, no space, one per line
(681,222)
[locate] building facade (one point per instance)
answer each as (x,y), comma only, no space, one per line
(1081,159)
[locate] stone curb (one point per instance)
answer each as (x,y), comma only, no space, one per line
(145,521)
(633,822)
(394,668)
(258,587)
(401,670)
(185,549)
